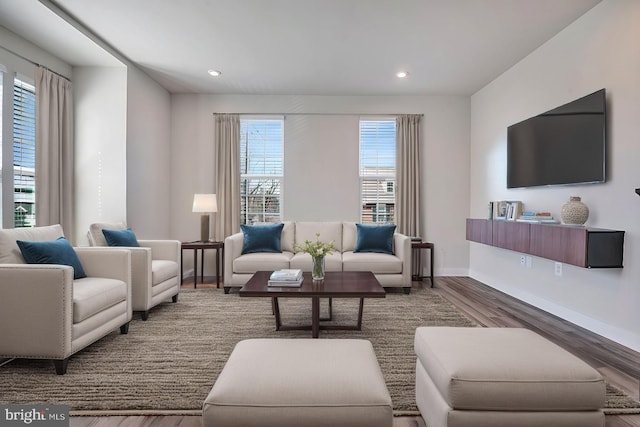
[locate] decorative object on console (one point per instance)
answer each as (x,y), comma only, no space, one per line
(205,204)
(638,191)
(574,212)
(318,250)
(514,210)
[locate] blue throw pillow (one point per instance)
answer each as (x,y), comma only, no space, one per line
(57,251)
(120,237)
(375,238)
(262,238)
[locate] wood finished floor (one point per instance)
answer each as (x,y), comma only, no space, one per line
(618,364)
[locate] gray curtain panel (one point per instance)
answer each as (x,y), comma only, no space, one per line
(227,146)
(408,174)
(54,151)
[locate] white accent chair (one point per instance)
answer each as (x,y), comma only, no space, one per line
(45,313)
(155,268)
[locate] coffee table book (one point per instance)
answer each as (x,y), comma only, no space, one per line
(285,283)
(286,277)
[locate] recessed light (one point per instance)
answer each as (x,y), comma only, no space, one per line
(402,74)
(214,73)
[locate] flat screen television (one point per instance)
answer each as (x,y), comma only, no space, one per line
(563,146)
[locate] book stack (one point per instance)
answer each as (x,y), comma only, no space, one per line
(505,209)
(286,277)
(537,217)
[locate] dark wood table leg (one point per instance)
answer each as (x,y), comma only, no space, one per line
(432,250)
(330,316)
(315,317)
(195,268)
(276,311)
(360,314)
(181,265)
(217,268)
(202,265)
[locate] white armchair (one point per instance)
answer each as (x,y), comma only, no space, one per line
(45,313)
(155,268)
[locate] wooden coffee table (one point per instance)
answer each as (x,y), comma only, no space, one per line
(339,284)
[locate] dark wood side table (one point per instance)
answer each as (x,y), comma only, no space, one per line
(202,246)
(417,260)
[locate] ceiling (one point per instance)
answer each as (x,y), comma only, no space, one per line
(300,47)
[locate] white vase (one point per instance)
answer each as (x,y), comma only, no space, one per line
(574,212)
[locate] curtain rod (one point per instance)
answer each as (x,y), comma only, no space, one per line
(33,62)
(317,114)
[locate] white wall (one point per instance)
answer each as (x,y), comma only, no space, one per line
(100,101)
(320,158)
(599,50)
(317,145)
(148,197)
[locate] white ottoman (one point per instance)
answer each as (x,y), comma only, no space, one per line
(299,382)
(499,377)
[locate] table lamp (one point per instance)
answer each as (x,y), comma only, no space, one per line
(205,204)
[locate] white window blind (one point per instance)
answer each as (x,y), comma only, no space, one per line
(24,153)
(261,170)
(377,171)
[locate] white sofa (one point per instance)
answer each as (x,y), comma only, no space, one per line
(155,268)
(392,271)
(47,314)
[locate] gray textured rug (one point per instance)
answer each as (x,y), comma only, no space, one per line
(171,361)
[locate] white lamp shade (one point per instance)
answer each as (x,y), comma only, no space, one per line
(205,203)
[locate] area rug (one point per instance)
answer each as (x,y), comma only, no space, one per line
(169,363)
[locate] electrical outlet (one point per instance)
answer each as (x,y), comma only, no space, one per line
(558,268)
(523,260)
(529,261)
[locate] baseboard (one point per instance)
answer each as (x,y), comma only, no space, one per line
(187,273)
(623,337)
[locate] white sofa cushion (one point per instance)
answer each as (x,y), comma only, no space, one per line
(9,251)
(349,236)
(250,263)
(302,260)
(300,382)
(162,270)
(288,236)
(371,261)
(93,295)
(506,369)
(329,231)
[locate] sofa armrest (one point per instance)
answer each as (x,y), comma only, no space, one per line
(232,250)
(402,246)
(163,249)
(36,310)
(109,262)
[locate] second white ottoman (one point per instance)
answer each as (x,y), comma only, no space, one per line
(300,382)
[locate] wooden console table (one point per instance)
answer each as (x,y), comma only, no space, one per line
(202,246)
(417,260)
(580,246)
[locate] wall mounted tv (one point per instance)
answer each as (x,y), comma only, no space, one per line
(565,145)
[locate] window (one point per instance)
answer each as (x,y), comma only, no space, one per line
(377,171)
(261,170)
(24,154)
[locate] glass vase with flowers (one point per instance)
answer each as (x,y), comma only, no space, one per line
(318,250)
